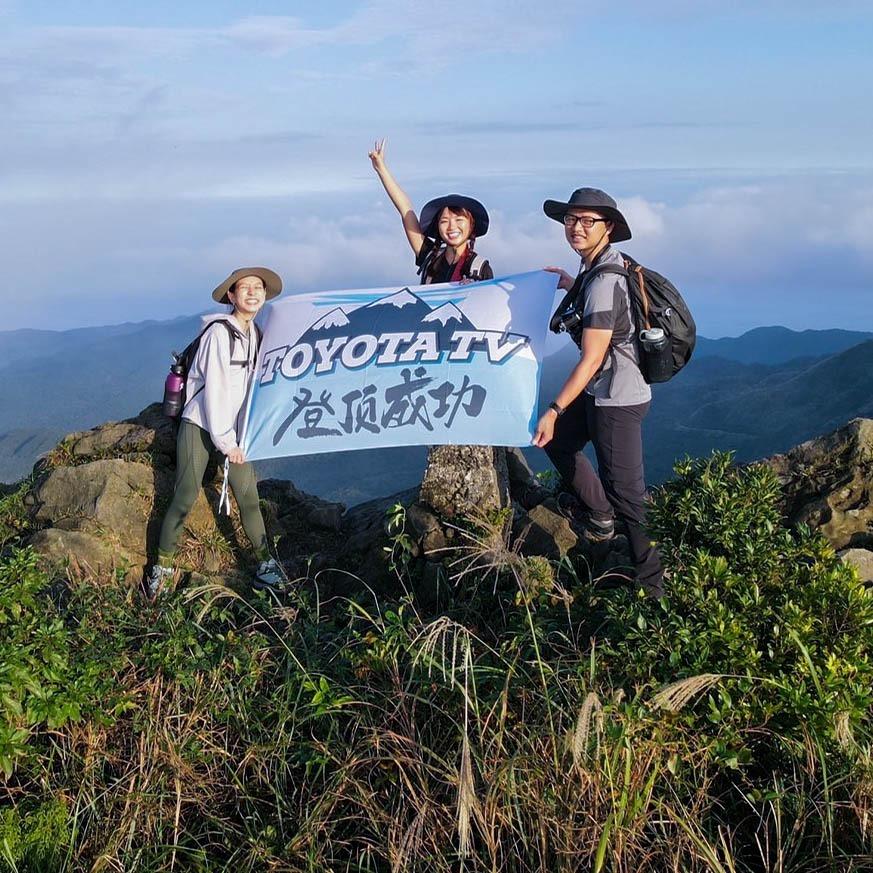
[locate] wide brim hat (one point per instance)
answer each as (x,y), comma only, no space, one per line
(431,211)
(595,200)
(271,280)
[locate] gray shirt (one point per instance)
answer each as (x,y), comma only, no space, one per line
(607,307)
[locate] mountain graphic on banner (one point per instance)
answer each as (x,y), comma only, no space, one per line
(401,312)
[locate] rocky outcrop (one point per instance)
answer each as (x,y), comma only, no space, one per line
(98,500)
(827,484)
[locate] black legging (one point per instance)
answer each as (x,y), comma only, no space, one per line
(620,489)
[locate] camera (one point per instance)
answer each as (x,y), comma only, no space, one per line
(566,321)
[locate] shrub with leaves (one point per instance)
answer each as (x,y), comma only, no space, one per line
(775,611)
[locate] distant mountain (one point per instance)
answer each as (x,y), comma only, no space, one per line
(777,345)
(52,383)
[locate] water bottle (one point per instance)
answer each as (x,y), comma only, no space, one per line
(173,389)
(657,355)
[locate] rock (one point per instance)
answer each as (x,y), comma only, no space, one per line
(111,495)
(428,531)
(149,433)
(544,531)
(84,551)
(861,560)
(828,484)
(325,515)
(460,480)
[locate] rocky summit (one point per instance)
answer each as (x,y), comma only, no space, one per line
(97,501)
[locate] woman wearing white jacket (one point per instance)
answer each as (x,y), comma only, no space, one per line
(217,388)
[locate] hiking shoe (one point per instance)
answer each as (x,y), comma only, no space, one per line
(157,580)
(594,530)
(269,576)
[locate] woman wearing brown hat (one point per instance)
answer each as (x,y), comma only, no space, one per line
(217,387)
(444,235)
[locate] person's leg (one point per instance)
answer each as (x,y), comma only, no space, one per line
(245,490)
(192,455)
(617,439)
(524,486)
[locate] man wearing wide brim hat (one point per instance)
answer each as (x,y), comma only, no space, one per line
(593,200)
(272,283)
(605,397)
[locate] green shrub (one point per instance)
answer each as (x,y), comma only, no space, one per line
(774,610)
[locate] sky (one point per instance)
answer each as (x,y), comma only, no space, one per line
(152,148)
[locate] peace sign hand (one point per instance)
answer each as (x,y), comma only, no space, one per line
(377,155)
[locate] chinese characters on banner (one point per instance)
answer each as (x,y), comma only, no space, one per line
(438,364)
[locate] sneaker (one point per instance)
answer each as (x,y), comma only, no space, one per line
(598,530)
(269,576)
(594,530)
(158,579)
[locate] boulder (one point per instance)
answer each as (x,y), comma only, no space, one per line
(101,496)
(86,552)
(827,483)
(544,531)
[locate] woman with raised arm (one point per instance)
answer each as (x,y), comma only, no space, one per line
(443,238)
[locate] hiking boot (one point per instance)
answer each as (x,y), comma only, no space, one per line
(595,530)
(532,495)
(269,576)
(157,580)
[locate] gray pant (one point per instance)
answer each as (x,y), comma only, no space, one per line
(193,448)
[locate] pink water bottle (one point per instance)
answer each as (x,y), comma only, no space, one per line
(174,389)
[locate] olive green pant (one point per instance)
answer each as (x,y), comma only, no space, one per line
(193,448)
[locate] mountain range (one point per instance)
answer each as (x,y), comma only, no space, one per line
(758,394)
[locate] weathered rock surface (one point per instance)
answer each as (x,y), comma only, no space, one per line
(463,479)
(828,484)
(544,531)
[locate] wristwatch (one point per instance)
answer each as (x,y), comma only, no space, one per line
(558,410)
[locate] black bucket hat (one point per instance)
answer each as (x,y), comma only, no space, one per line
(595,200)
(431,211)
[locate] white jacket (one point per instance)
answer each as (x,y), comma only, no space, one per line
(219,381)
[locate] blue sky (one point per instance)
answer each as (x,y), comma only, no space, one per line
(151,148)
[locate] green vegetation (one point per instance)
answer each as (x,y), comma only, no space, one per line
(539,722)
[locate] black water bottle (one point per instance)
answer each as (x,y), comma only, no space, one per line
(657,355)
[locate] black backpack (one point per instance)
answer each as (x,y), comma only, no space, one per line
(182,360)
(656,302)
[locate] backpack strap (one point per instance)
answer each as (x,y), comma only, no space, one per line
(473,267)
(427,263)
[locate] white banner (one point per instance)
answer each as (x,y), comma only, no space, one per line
(428,365)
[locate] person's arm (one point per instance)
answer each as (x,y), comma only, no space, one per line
(219,418)
(398,197)
(595,345)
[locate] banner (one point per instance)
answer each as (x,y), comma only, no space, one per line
(431,365)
